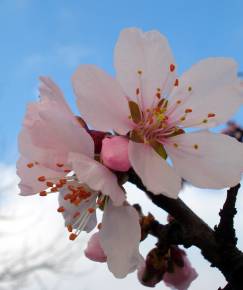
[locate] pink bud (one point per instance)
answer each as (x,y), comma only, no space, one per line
(114,153)
(94,251)
(182,277)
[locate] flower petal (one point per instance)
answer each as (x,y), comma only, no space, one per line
(155,172)
(59,128)
(120,237)
(94,250)
(149,54)
(209,87)
(29,173)
(97,177)
(101,100)
(207,160)
(72,213)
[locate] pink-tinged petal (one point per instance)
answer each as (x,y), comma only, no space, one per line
(101,100)
(182,277)
(149,53)
(75,215)
(155,172)
(114,153)
(120,237)
(94,250)
(211,90)
(29,173)
(97,177)
(52,125)
(207,160)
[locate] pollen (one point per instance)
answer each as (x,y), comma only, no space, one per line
(59,165)
(61,209)
(43,193)
(72,237)
(176,84)
(188,111)
(91,210)
(195,146)
(49,184)
(172,67)
(30,165)
(41,178)
(69,228)
(211,115)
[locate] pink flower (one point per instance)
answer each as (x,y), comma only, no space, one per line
(114,153)
(57,155)
(94,251)
(182,277)
(153,107)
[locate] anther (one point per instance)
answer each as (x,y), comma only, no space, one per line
(43,193)
(77,214)
(54,189)
(175,145)
(182,119)
(189,89)
(158,95)
(211,115)
(205,121)
(41,178)
(59,165)
(137,91)
(72,237)
(67,170)
(61,209)
(69,228)
(99,226)
(30,165)
(172,67)
(178,102)
(49,183)
(91,210)
(139,71)
(188,111)
(176,84)
(195,146)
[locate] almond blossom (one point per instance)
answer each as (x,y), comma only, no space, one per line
(151,106)
(58,155)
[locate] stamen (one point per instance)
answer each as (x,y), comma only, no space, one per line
(59,165)
(188,111)
(175,145)
(30,165)
(43,193)
(137,91)
(91,210)
(139,71)
(61,209)
(172,67)
(205,121)
(49,183)
(54,189)
(70,228)
(189,89)
(211,115)
(77,214)
(182,118)
(176,84)
(72,237)
(41,178)
(195,146)
(178,102)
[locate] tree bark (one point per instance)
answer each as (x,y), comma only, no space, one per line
(190,230)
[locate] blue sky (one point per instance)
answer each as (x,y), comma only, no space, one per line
(54,37)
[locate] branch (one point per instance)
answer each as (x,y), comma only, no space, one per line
(225,230)
(193,231)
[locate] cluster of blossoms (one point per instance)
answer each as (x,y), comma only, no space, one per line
(142,117)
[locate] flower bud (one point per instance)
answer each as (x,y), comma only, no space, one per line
(114,153)
(94,251)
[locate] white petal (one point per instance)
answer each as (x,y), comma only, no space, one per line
(97,177)
(150,53)
(155,172)
(120,235)
(216,163)
(215,89)
(52,125)
(71,209)
(100,99)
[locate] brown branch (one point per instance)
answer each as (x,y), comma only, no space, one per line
(193,231)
